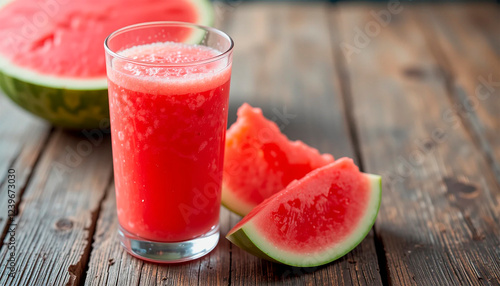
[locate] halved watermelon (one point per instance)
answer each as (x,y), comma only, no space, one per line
(315,220)
(260,161)
(52,56)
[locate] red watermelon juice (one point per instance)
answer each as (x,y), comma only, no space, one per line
(168,110)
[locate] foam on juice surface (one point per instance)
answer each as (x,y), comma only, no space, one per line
(169,53)
(183,76)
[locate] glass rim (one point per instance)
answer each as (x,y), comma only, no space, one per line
(172,24)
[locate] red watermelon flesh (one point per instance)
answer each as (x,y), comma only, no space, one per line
(315,220)
(65,38)
(260,161)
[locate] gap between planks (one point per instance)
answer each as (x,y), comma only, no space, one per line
(340,66)
(92,230)
(42,187)
(25,184)
(458,95)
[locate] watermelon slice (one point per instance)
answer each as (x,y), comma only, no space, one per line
(260,161)
(52,56)
(315,220)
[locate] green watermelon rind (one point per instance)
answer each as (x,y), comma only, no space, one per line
(73,109)
(71,103)
(249,239)
(207,16)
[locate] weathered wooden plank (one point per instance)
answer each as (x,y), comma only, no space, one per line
(483,19)
(283,63)
(440,214)
(22,139)
(59,210)
(109,264)
(473,80)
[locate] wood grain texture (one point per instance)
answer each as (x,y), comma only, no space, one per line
(439,222)
(109,264)
(283,62)
(58,212)
(473,80)
(22,139)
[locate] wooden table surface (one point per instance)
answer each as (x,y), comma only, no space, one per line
(413,96)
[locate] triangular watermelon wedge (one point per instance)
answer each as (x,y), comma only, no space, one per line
(260,161)
(315,220)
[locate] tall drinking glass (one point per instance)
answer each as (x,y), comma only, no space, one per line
(168,88)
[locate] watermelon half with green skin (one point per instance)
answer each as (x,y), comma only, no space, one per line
(52,57)
(260,161)
(315,220)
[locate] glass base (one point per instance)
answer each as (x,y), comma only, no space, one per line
(169,252)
